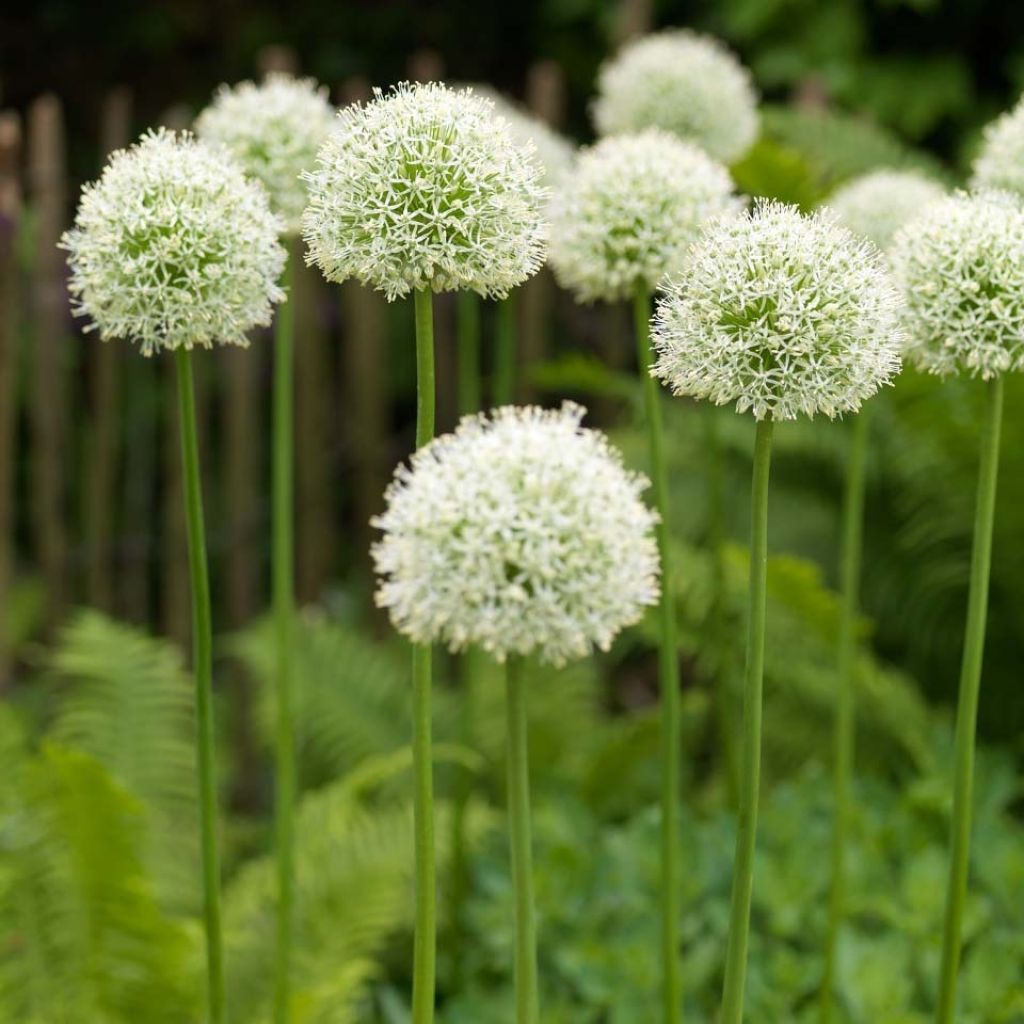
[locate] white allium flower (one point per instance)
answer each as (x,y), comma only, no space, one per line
(274,131)
(961,267)
(1000,163)
(521,533)
(877,204)
(685,83)
(424,187)
(630,211)
(174,246)
(782,314)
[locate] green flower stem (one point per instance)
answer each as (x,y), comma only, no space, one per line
(283,583)
(527,997)
(424,970)
(668,671)
(503,386)
(716,617)
(750,778)
(202,667)
(467,322)
(967,711)
(845,717)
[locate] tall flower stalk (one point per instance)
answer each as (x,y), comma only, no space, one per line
(662,190)
(961,267)
(273,131)
(171,209)
(424,190)
(782,315)
(520,535)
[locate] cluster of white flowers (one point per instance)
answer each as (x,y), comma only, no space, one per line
(174,246)
(274,131)
(425,188)
(1000,163)
(522,534)
(877,204)
(961,267)
(552,151)
(685,83)
(630,211)
(782,314)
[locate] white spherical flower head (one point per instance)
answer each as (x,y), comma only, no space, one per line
(1000,162)
(521,533)
(629,212)
(174,247)
(424,187)
(274,131)
(961,268)
(877,204)
(782,314)
(685,83)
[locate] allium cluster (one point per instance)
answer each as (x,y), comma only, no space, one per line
(174,246)
(961,267)
(782,314)
(685,83)
(424,187)
(521,533)
(630,210)
(1000,163)
(274,131)
(877,204)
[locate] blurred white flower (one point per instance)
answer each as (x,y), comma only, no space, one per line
(961,267)
(687,84)
(1000,162)
(877,204)
(782,314)
(630,210)
(174,246)
(424,187)
(521,533)
(274,131)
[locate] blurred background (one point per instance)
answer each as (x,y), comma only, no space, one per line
(93,565)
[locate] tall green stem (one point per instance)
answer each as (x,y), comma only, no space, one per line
(845,715)
(423,769)
(202,667)
(527,997)
(283,584)
(467,322)
(504,381)
(967,710)
(668,671)
(750,778)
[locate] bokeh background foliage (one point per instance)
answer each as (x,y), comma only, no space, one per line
(98,885)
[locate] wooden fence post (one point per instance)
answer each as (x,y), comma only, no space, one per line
(50,355)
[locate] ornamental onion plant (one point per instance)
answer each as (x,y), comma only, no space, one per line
(961,267)
(782,315)
(875,206)
(174,249)
(423,190)
(522,535)
(273,131)
(619,224)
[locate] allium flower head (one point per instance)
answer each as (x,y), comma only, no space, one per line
(1000,163)
(174,246)
(630,210)
(274,131)
(685,83)
(961,267)
(521,533)
(424,187)
(782,314)
(877,204)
